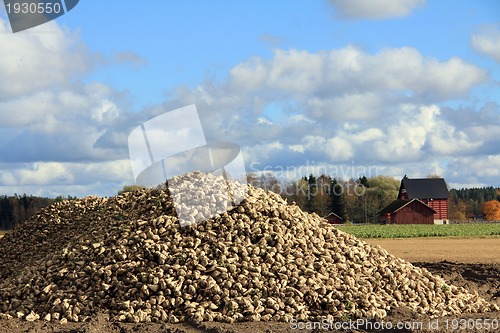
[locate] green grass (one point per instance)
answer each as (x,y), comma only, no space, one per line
(422,230)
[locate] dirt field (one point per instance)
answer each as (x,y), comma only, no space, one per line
(463,250)
(468,262)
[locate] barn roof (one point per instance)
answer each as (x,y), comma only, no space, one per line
(398,204)
(426,188)
(334,215)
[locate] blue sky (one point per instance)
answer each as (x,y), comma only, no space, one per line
(393,87)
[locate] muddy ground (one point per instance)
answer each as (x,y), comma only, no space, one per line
(484,278)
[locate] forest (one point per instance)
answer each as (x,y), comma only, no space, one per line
(355,200)
(16,209)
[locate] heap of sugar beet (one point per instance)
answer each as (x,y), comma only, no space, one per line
(263,260)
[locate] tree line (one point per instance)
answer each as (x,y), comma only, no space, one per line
(467,203)
(355,200)
(18,208)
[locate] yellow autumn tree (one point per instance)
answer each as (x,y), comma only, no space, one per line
(491,210)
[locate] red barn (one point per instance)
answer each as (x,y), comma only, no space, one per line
(431,192)
(407,212)
(333,218)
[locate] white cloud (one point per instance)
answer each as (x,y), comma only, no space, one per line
(314,140)
(106,111)
(296,71)
(346,107)
(46,115)
(332,107)
(264,121)
(339,149)
(367,135)
(421,132)
(375,9)
(474,171)
(35,108)
(58,135)
(406,70)
(297,148)
(127,57)
(248,75)
(62,125)
(271,40)
(39,58)
(342,105)
(446,140)
(348,74)
(56,178)
(39,174)
(487,42)
(262,151)
(300,118)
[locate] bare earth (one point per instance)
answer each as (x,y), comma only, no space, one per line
(473,263)
(463,250)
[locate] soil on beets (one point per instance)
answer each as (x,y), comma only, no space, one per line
(483,278)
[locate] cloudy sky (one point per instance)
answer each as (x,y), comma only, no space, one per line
(380,87)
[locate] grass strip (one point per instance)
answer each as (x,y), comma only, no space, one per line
(422,230)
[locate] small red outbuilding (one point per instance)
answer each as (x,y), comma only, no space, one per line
(333,218)
(407,212)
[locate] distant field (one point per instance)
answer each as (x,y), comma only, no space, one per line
(460,250)
(422,230)
(2,232)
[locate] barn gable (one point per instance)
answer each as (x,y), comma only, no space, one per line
(407,212)
(333,218)
(393,206)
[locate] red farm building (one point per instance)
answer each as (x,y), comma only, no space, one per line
(407,212)
(417,199)
(333,218)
